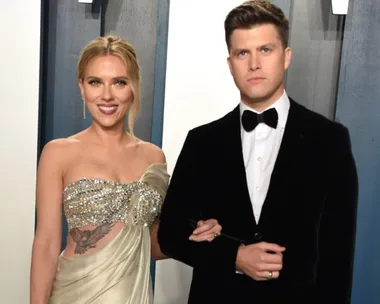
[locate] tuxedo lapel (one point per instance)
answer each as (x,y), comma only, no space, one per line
(291,153)
(234,158)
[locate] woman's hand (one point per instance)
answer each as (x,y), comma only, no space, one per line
(206,231)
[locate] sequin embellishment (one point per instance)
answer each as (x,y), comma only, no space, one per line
(91,201)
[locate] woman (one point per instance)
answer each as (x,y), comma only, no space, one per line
(110,186)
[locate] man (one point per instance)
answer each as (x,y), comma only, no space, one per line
(279,178)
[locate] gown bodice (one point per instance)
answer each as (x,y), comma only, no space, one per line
(93,201)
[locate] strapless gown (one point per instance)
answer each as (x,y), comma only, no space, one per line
(118,273)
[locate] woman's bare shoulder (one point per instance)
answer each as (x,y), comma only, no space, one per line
(61,144)
(151,152)
(61,149)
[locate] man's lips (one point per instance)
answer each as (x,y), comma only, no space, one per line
(255,79)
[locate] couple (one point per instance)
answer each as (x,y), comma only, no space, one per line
(280,179)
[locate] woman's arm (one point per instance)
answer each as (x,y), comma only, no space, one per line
(47,240)
(156,252)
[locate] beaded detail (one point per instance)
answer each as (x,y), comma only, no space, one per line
(91,201)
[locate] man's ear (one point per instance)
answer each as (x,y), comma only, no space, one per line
(229,64)
(288,57)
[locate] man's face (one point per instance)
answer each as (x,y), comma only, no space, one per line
(257,63)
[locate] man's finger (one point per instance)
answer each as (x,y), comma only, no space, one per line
(268,275)
(272,258)
(271,267)
(270,247)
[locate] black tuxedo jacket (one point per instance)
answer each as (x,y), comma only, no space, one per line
(310,209)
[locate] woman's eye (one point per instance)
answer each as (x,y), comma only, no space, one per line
(121,83)
(93,82)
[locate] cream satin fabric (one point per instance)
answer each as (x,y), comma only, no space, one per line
(118,273)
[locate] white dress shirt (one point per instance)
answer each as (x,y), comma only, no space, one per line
(260,150)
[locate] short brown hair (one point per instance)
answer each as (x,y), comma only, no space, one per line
(113,45)
(253,13)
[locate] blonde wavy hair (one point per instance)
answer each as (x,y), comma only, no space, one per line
(113,45)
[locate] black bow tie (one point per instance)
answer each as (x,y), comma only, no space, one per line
(251,119)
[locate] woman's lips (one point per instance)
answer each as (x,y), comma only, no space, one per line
(108,109)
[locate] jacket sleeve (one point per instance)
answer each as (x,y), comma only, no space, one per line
(183,204)
(338,224)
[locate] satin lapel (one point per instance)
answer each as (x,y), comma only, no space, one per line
(234,157)
(292,151)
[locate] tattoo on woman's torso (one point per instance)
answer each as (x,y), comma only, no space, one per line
(87,239)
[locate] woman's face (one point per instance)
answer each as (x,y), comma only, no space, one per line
(106,90)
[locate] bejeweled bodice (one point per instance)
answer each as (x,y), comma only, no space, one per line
(92,201)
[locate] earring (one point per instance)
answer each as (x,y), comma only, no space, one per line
(84,110)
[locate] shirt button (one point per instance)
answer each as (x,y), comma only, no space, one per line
(259,159)
(257,189)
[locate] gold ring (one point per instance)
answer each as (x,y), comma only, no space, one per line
(215,235)
(270,275)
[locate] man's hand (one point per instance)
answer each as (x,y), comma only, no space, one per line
(261,261)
